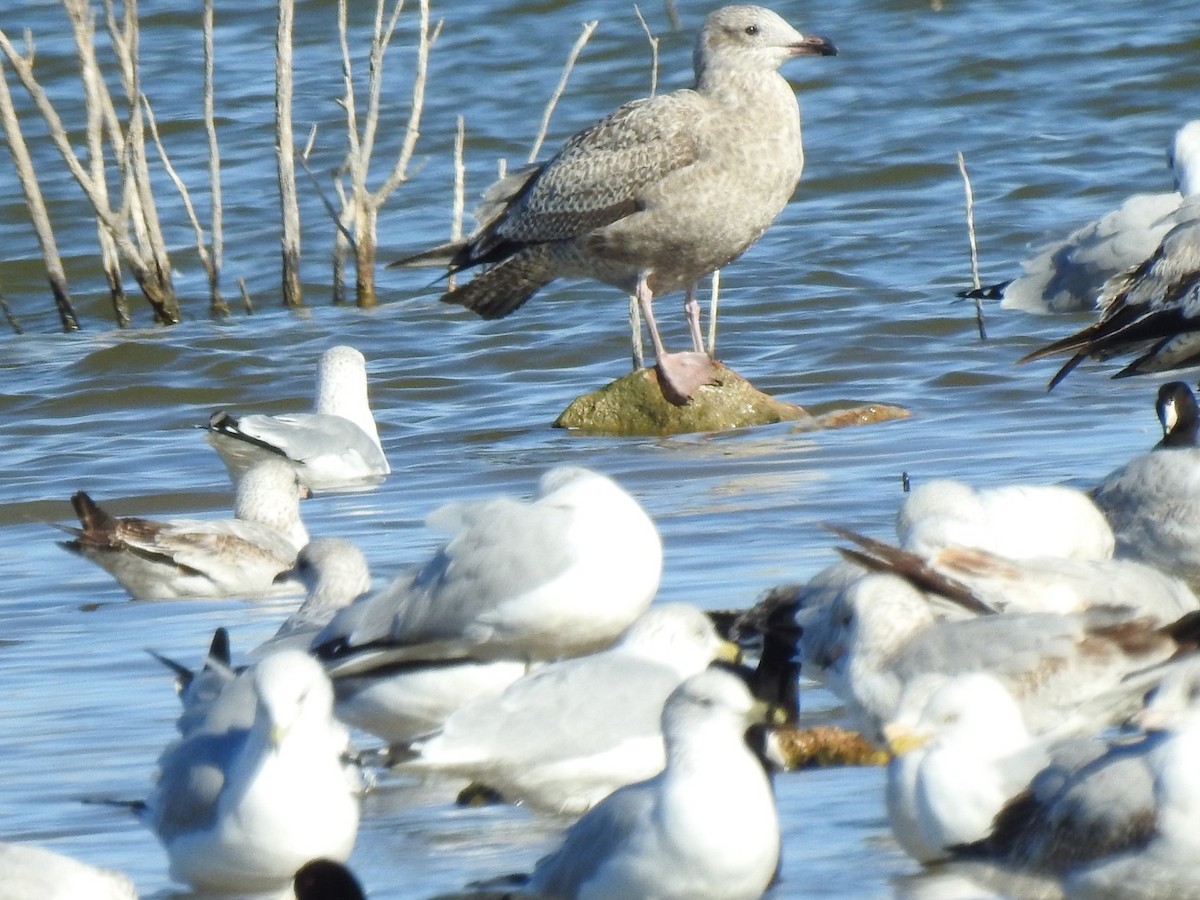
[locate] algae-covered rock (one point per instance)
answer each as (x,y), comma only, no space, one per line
(826,745)
(634,405)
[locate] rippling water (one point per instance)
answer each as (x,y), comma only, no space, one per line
(1061,109)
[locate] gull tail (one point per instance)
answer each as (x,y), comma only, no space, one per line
(503,288)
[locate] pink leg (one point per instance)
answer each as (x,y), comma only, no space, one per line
(679,374)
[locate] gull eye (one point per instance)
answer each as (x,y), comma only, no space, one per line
(752,30)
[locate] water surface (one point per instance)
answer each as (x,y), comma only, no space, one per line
(1061,110)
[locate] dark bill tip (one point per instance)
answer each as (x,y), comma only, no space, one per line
(814,45)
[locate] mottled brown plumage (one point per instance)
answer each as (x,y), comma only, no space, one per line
(654,196)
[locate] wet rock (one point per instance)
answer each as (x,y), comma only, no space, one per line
(634,406)
(825,745)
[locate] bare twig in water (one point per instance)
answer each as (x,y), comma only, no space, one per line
(285,156)
(36,203)
(206,259)
(12,320)
(460,190)
(588,28)
(247,303)
(962,167)
(218,308)
(672,14)
(95,93)
(360,206)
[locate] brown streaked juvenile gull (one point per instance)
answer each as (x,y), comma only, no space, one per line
(654,196)
(335,446)
(238,557)
(1067,275)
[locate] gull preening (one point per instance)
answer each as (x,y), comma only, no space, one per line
(1069,275)
(1150,308)
(656,195)
(334,446)
(238,557)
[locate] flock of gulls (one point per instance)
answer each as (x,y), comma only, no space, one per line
(1028,653)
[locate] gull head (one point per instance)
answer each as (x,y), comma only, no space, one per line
(709,704)
(1184,158)
(753,37)
(294,696)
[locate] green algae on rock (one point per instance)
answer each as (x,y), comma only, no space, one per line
(633,405)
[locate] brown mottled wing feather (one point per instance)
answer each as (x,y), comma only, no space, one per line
(598,175)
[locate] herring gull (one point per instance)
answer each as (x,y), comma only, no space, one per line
(705,828)
(243,809)
(569,733)
(238,557)
(1068,275)
(656,195)
(561,575)
(335,446)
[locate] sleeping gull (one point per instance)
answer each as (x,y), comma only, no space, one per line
(1018,521)
(1067,275)
(656,195)
(30,872)
(241,810)
(562,575)
(569,733)
(238,557)
(1153,505)
(705,828)
(335,446)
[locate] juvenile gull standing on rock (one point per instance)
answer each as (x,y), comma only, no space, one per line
(656,195)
